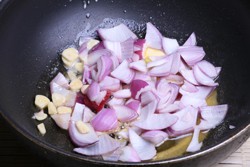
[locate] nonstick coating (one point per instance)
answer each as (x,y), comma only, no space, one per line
(33,32)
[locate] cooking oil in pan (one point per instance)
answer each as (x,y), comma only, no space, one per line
(175,148)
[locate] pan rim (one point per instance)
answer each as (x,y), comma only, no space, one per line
(45,146)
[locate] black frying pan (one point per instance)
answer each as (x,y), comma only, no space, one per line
(32,32)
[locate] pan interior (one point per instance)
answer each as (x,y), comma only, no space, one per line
(34,32)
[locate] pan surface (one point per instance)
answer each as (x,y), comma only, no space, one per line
(32,33)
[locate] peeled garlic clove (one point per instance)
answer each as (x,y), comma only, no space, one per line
(41,101)
(58,99)
(41,128)
(40,116)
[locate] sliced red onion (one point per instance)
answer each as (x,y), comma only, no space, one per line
(187,119)
(195,145)
(137,87)
(202,93)
(86,79)
(94,75)
(169,97)
(147,97)
(101,96)
(83,50)
(153,37)
(122,94)
(115,155)
(122,50)
(152,83)
(170,108)
(147,110)
(191,41)
(169,45)
(104,67)
(93,91)
(189,76)
(62,120)
(88,115)
(136,49)
(143,148)
(129,155)
(155,136)
(207,68)
(141,76)
(83,43)
(191,54)
(203,78)
(213,116)
(137,130)
(161,121)
(134,105)
(136,57)
(96,55)
(118,33)
(164,69)
(82,139)
(156,121)
(127,49)
(155,63)
(105,120)
(176,63)
(139,66)
(115,62)
(112,156)
(70,95)
(193,101)
(162,87)
(176,79)
(183,66)
(105,145)
(139,44)
(115,101)
(123,72)
(218,70)
(109,83)
(140,53)
(124,113)
(61,80)
(188,87)
(77,114)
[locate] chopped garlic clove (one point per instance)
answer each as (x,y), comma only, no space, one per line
(41,128)
(52,108)
(41,101)
(67,63)
(64,110)
(70,54)
(79,77)
(76,84)
(72,75)
(79,67)
(58,99)
(92,43)
(82,127)
(40,116)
